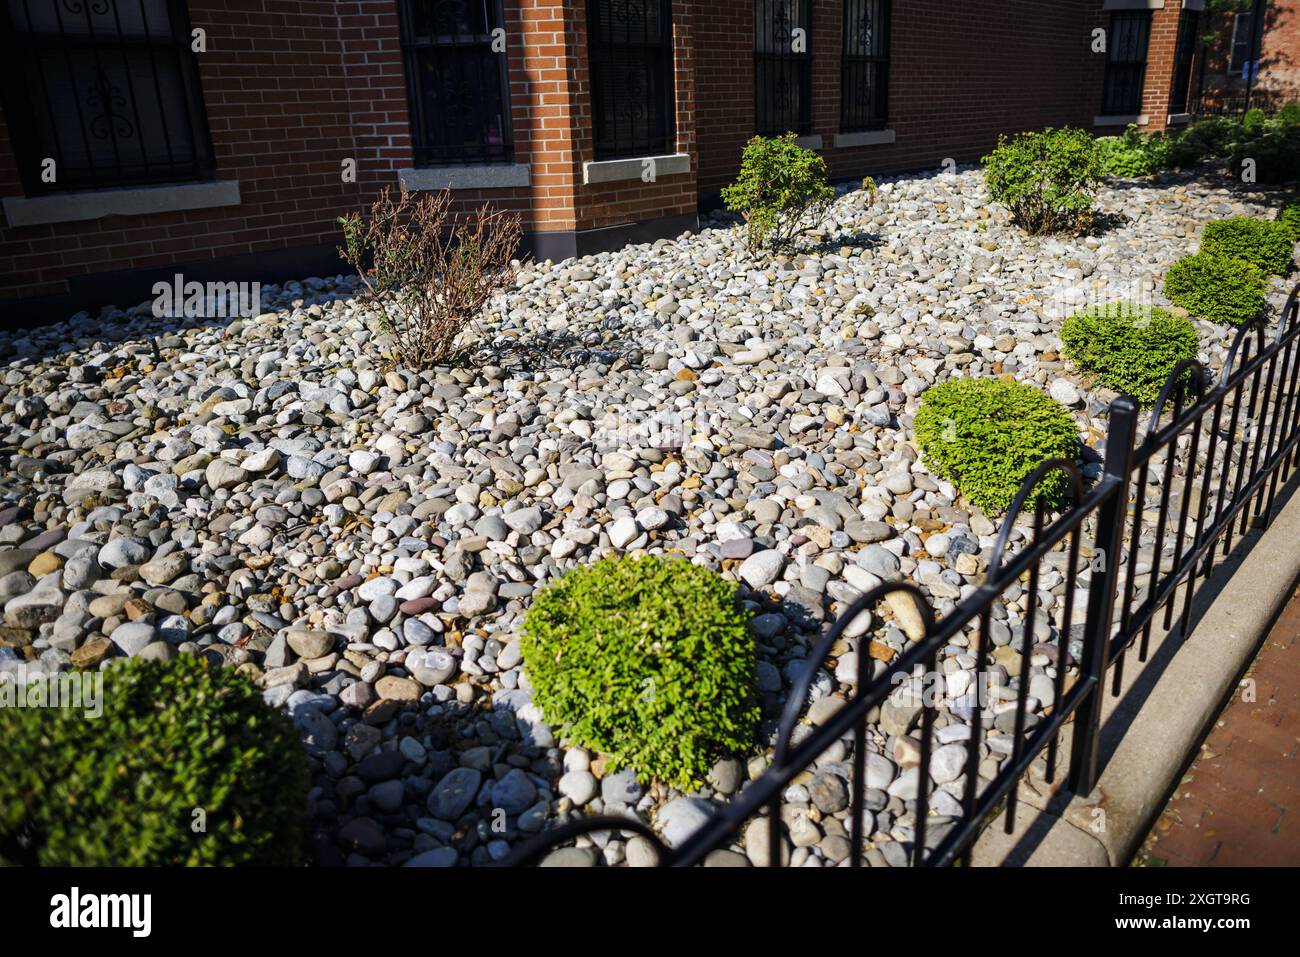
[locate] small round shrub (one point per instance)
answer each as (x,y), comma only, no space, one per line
(1132,349)
(988,435)
(1289,115)
(122,787)
(1265,245)
(1228,291)
(1213,136)
(1272,151)
(1046,179)
(648,660)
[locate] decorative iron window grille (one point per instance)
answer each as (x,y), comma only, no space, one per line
(456,82)
(106,89)
(630,56)
(1126,62)
(864,77)
(1188,25)
(782,67)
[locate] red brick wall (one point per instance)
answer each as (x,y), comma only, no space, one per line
(1161,52)
(959,75)
(1280,66)
(292,87)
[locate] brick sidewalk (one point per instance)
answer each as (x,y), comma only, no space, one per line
(1239,803)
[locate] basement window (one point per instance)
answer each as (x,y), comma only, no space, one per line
(782,67)
(456,81)
(630,56)
(1126,62)
(102,94)
(864,70)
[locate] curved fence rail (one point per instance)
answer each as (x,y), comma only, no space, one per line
(1210,461)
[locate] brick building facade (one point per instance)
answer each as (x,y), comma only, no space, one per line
(231,146)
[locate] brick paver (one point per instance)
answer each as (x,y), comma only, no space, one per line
(1239,803)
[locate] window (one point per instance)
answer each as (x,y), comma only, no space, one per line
(1126,62)
(630,51)
(107,89)
(1188,25)
(1247,39)
(782,67)
(456,81)
(864,79)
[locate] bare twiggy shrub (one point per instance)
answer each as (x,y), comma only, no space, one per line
(436,269)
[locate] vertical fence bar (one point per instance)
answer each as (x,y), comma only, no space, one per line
(1101,592)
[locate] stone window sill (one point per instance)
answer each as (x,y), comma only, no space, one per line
(1134,5)
(869,138)
(1179,119)
(632,168)
(809,141)
(145,201)
(1142,120)
(479,176)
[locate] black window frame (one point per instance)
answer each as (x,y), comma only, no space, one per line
(478,130)
(631,78)
(776,63)
(1126,76)
(864,67)
(40,64)
(1247,39)
(1180,90)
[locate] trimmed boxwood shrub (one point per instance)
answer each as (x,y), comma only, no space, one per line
(1133,349)
(1289,219)
(1275,151)
(122,788)
(988,435)
(1228,291)
(648,660)
(1266,245)
(1289,115)
(1046,179)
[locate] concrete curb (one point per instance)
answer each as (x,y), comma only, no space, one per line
(1152,729)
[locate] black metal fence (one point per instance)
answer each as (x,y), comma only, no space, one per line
(1209,460)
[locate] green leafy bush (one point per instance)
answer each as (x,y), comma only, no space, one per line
(122,787)
(1228,291)
(1126,156)
(1213,136)
(781,191)
(988,435)
(1274,151)
(1046,179)
(1133,349)
(648,660)
(1253,120)
(1266,245)
(1289,115)
(1288,217)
